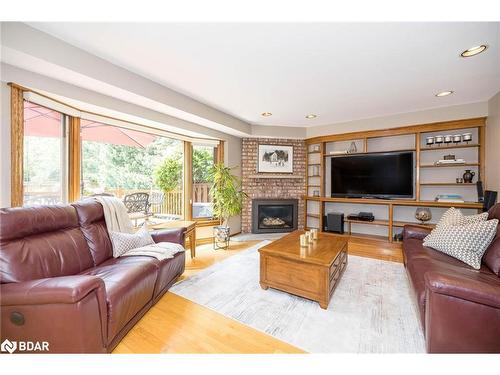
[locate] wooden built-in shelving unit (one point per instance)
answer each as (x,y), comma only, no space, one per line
(430,179)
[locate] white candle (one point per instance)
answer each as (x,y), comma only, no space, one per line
(303,240)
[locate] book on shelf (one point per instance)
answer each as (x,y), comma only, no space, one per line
(449,198)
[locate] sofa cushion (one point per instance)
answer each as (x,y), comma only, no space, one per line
(92,224)
(492,255)
(41,242)
(464,242)
(168,269)
(130,284)
(419,266)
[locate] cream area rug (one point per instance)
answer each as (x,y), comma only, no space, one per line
(370,311)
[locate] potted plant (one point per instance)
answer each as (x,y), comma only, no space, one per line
(227,198)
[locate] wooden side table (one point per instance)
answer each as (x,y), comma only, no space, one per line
(190,231)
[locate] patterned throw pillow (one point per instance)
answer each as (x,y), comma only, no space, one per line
(464,242)
(455,217)
(123,242)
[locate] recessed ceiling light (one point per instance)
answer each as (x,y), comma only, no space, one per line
(444,93)
(310,116)
(266,114)
(474,51)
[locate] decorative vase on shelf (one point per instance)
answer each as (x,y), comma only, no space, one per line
(423,214)
(352,148)
(468,176)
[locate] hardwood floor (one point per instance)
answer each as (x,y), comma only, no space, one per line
(177,325)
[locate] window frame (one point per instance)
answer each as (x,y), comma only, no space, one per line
(74,156)
(218,156)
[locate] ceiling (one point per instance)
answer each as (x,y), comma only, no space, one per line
(338,71)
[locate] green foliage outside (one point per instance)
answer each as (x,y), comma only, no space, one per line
(226,193)
(169,174)
(108,166)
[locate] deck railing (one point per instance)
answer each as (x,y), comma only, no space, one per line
(172,203)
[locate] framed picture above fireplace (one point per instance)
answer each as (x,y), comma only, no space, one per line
(275,159)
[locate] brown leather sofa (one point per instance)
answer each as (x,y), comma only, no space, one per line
(459,306)
(61,284)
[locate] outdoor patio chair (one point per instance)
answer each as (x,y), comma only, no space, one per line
(155,200)
(137,205)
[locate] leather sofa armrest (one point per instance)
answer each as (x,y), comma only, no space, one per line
(415,231)
(64,289)
(169,235)
(464,288)
(68,312)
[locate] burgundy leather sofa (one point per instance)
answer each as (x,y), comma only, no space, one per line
(459,306)
(61,284)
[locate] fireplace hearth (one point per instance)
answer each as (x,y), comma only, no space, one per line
(274,215)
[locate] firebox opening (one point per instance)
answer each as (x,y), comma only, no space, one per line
(274,215)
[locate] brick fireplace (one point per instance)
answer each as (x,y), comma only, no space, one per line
(260,187)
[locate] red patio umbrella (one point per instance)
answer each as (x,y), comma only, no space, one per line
(98,132)
(43,122)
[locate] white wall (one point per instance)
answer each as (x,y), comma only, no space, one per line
(493,144)
(457,112)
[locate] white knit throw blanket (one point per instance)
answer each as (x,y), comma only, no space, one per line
(160,250)
(115,215)
(117,220)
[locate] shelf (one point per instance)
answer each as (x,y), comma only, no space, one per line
(314,186)
(314,152)
(448,184)
(312,198)
(314,175)
(368,152)
(313,215)
(424,148)
(363,236)
(374,222)
(313,164)
(271,175)
(398,202)
(386,223)
(403,223)
(449,165)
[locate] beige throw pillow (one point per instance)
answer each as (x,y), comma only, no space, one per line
(123,242)
(454,216)
(466,243)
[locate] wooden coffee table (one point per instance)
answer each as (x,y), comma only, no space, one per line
(311,272)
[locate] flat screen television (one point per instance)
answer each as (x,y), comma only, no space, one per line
(373,175)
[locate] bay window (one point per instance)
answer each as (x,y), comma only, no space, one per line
(61,154)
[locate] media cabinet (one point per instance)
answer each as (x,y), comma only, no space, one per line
(392,214)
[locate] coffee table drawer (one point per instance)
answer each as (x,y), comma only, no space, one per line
(337,262)
(306,277)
